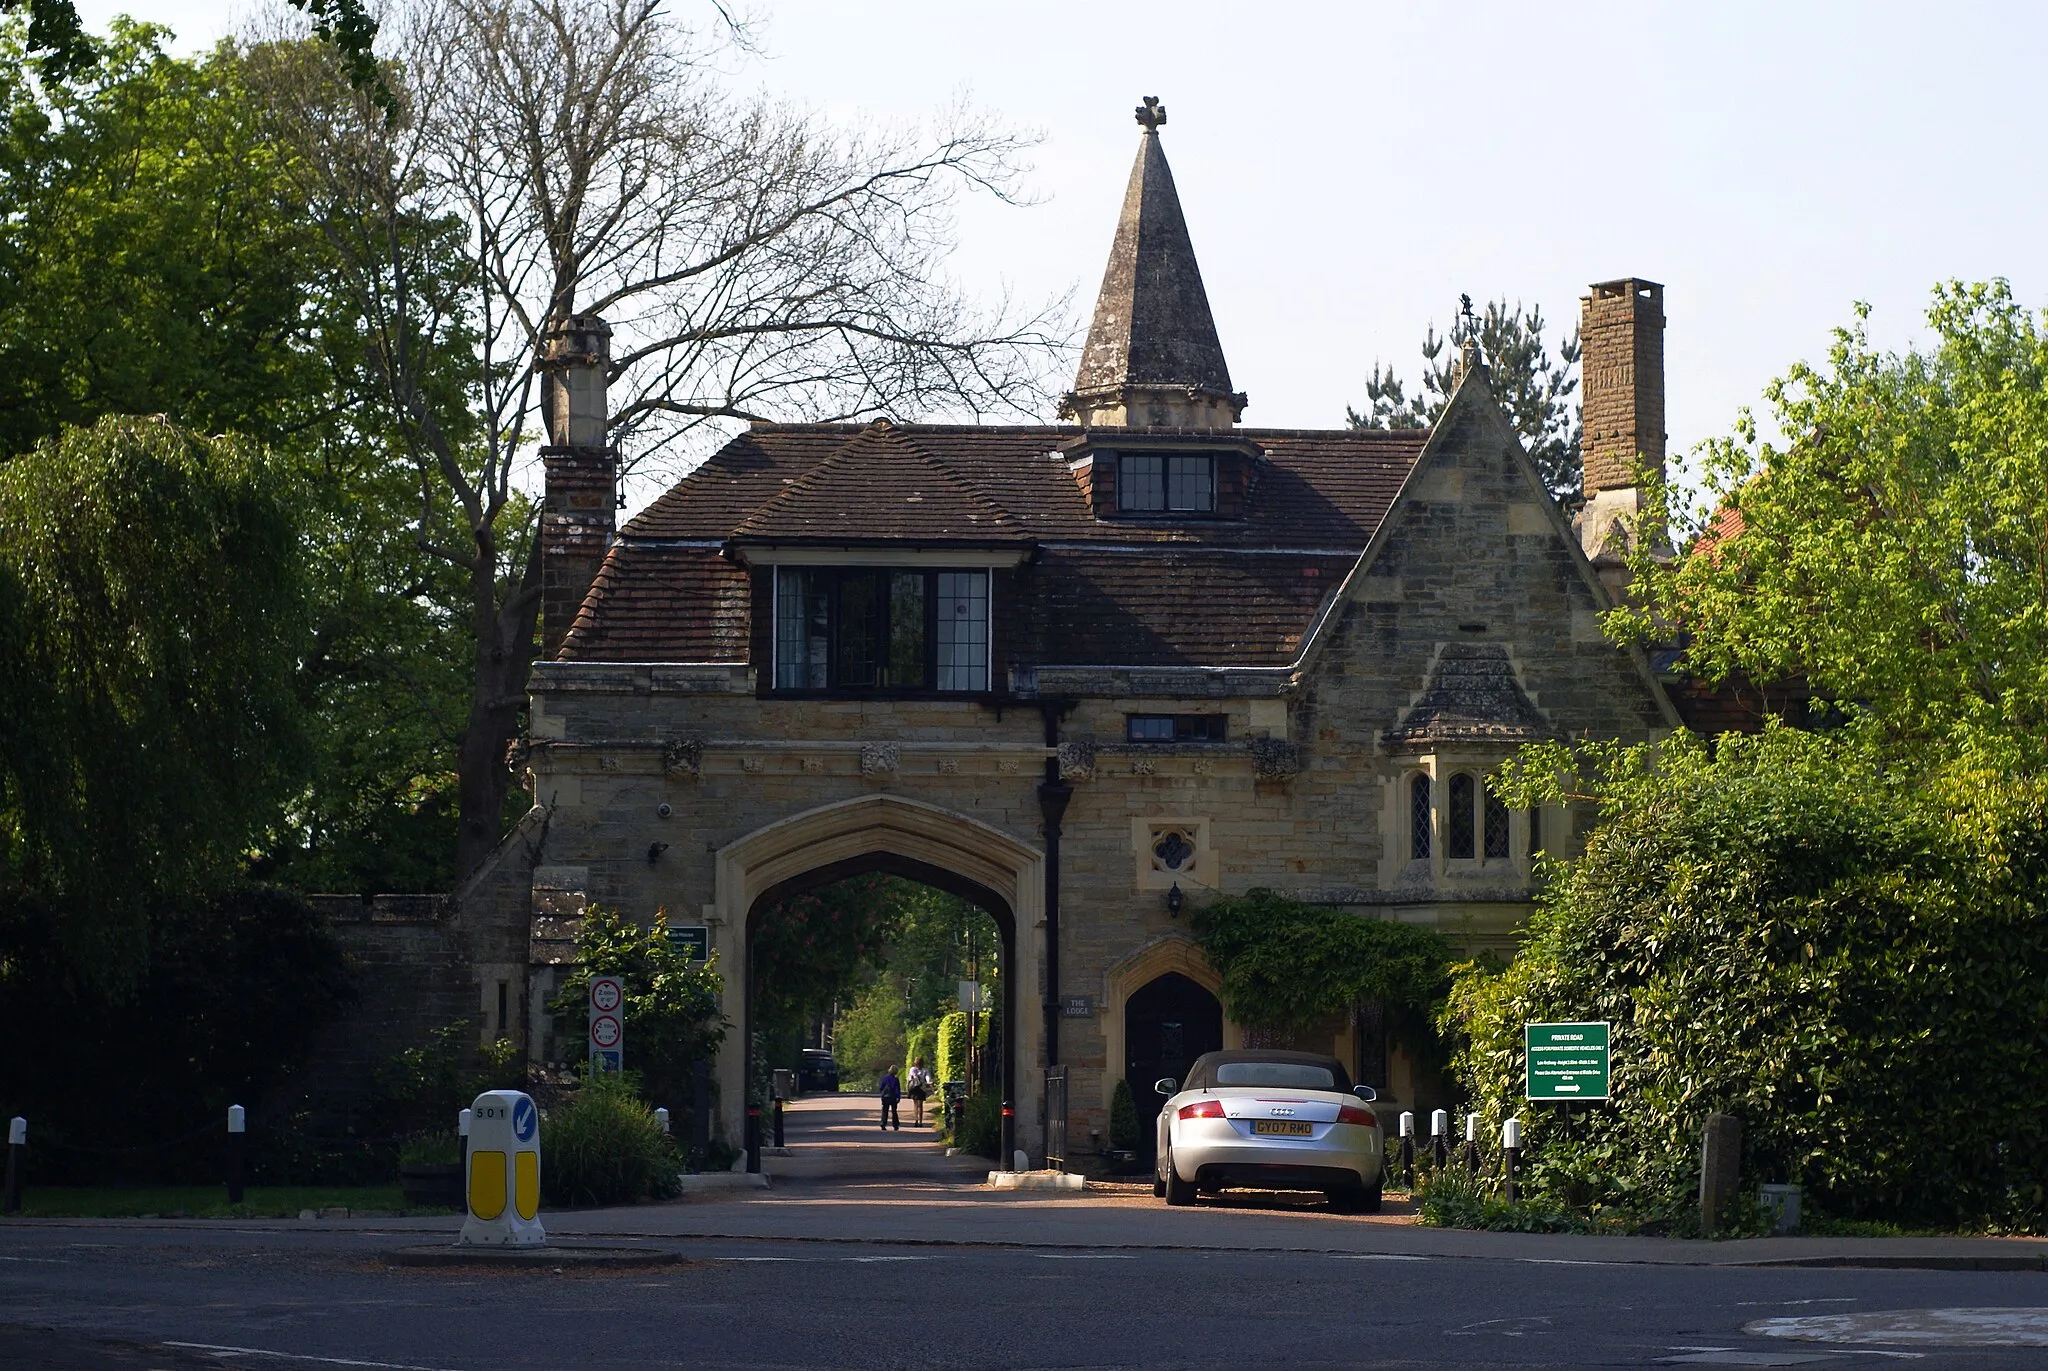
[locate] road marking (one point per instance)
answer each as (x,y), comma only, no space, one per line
(300,1356)
(1085,1256)
(1378,1257)
(886,1259)
(2024,1327)
(1775,1304)
(47,1261)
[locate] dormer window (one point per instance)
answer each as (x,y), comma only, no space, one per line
(881,629)
(1166,483)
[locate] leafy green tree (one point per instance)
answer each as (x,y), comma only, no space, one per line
(672,1003)
(1791,929)
(1893,552)
(869,1033)
(154,613)
(1289,966)
(1535,389)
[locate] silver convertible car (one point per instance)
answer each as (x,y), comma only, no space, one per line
(1269,1120)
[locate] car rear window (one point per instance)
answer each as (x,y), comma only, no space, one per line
(1297,1075)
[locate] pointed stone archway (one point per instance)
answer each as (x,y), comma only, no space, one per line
(909,838)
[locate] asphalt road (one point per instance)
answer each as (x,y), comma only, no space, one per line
(129,1297)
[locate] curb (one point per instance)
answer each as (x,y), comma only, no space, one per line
(1880,1262)
(712,1181)
(1036,1180)
(545,1256)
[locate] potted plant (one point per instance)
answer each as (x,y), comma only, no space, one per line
(1123,1128)
(430,1171)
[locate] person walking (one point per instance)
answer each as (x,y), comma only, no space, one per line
(892,1092)
(918,1086)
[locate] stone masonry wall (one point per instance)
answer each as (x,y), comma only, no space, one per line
(1621,329)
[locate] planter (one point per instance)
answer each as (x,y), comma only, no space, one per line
(435,1185)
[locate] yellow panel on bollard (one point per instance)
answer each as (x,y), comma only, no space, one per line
(504,1172)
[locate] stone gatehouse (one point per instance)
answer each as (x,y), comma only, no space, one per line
(1080,673)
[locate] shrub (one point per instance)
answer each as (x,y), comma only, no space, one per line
(869,1033)
(952,1045)
(604,1147)
(431,1149)
(1852,960)
(672,1003)
(421,1088)
(1123,1118)
(981,1126)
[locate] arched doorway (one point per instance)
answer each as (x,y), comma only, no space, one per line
(908,838)
(1168,1022)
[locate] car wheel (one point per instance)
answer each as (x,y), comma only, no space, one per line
(1158,1181)
(1369,1201)
(1178,1191)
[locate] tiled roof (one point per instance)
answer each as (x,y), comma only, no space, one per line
(1101,592)
(1471,696)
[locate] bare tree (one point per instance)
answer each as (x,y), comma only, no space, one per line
(555,157)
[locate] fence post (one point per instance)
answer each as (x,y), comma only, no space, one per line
(237,1123)
(17,1144)
(1472,1143)
(1511,1148)
(1720,1166)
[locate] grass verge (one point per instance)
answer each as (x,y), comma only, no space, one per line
(207,1201)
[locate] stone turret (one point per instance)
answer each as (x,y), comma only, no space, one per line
(1152,359)
(580,507)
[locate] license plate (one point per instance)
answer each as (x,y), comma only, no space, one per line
(1282,1128)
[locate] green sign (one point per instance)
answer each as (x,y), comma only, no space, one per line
(695,939)
(1566,1061)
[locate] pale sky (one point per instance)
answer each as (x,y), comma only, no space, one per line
(1348,169)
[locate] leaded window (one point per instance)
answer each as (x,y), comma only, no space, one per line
(1165,483)
(1496,826)
(1459,820)
(881,628)
(1419,822)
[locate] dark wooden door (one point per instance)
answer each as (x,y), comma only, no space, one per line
(1167,1024)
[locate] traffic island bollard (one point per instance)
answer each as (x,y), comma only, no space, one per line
(237,1131)
(1009,1139)
(501,1184)
(1511,1151)
(17,1148)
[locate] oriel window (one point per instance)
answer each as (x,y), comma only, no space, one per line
(1418,818)
(1459,819)
(1496,825)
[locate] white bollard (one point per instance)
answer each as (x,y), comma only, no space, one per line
(462,1122)
(1407,1124)
(1439,1123)
(17,1131)
(661,1117)
(238,1119)
(502,1177)
(1471,1128)
(1511,1133)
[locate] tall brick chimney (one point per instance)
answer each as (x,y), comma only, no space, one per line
(1621,329)
(579,511)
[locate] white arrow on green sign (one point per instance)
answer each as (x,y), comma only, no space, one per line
(1566,1061)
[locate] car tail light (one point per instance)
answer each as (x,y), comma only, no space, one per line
(1202,1109)
(1364,1118)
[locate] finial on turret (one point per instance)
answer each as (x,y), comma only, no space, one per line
(1151,114)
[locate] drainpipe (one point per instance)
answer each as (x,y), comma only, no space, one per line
(1053,795)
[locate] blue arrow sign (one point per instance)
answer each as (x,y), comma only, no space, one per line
(523,1119)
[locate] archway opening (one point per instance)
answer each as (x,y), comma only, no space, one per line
(865,963)
(1168,1022)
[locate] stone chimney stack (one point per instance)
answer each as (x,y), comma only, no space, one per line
(1621,329)
(579,512)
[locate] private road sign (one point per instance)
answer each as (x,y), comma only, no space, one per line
(1566,1061)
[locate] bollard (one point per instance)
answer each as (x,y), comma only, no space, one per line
(17,1146)
(1010,1133)
(778,1122)
(1472,1143)
(700,1111)
(1439,1137)
(1720,1167)
(661,1117)
(1511,1149)
(501,1181)
(237,1124)
(1408,1149)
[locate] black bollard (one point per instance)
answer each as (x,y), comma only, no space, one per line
(1009,1157)
(237,1121)
(752,1139)
(17,1145)
(778,1124)
(700,1112)
(1511,1151)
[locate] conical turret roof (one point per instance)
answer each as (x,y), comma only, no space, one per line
(1152,326)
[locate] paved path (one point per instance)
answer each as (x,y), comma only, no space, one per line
(838,1140)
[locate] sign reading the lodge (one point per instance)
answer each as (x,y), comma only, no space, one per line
(1566,1061)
